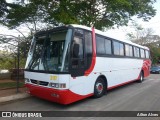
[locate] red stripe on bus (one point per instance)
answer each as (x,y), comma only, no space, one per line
(112,87)
(54,95)
(87,72)
(146,67)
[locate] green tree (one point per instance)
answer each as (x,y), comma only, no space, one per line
(145,37)
(155,54)
(140,35)
(5,9)
(9,43)
(100,13)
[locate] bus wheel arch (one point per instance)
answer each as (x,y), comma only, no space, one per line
(100,87)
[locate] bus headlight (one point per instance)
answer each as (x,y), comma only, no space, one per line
(54,85)
(58,85)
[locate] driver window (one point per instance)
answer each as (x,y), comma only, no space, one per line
(78,51)
(78,41)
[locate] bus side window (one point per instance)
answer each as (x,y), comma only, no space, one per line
(128,50)
(147,53)
(100,45)
(136,52)
(108,46)
(118,48)
(142,53)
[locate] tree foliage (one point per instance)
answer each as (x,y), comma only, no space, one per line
(142,36)
(155,54)
(100,13)
(5,10)
(8,56)
(10,43)
(42,14)
(145,37)
(9,62)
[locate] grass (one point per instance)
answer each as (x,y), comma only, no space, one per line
(10,85)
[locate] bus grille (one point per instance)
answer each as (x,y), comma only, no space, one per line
(43,83)
(34,81)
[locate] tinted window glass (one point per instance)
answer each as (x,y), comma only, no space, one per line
(108,46)
(88,48)
(147,54)
(129,50)
(78,39)
(100,45)
(118,48)
(136,52)
(88,42)
(142,53)
(121,49)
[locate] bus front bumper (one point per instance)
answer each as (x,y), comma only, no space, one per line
(59,96)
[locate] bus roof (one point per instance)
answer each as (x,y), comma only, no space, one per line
(103,34)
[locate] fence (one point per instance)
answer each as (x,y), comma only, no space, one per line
(5,76)
(9,79)
(12,74)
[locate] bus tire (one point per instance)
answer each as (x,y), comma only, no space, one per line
(99,88)
(141,77)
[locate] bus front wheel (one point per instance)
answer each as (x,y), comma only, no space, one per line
(99,88)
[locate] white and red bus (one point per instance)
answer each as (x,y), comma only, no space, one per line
(70,63)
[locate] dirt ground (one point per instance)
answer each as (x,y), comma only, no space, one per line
(6,80)
(10,91)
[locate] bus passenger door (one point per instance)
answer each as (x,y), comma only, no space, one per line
(81,52)
(77,60)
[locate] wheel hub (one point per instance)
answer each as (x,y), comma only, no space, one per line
(99,88)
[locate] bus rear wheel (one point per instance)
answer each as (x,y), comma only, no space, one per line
(99,88)
(141,77)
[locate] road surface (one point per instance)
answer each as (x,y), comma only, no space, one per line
(132,97)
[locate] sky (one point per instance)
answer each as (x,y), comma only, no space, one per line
(118,33)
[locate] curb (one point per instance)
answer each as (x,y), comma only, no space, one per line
(14,97)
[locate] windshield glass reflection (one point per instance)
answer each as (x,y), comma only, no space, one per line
(49,52)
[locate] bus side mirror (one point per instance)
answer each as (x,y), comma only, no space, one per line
(76,51)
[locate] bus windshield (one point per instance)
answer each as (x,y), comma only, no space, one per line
(49,52)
